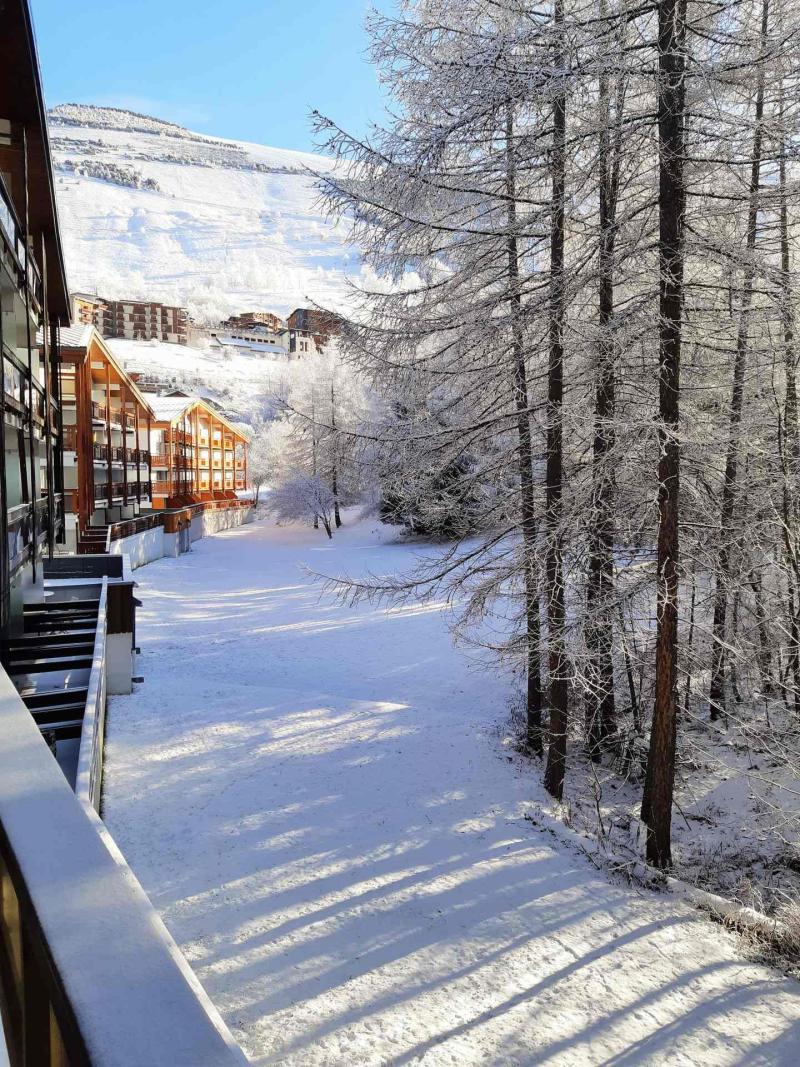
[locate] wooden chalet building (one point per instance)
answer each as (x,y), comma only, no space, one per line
(107,427)
(197,454)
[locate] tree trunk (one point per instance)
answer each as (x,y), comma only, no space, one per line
(314,452)
(791,463)
(660,779)
(601,703)
(334,463)
(554,566)
(723,569)
(533,702)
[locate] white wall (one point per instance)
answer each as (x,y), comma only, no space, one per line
(150,545)
(141,548)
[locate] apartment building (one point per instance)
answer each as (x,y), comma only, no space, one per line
(247,320)
(107,425)
(197,454)
(142,321)
(310,330)
(86,309)
(131,319)
(34,300)
(258,340)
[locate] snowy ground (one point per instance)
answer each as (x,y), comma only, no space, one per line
(318,802)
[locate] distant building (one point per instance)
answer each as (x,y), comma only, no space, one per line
(310,323)
(135,320)
(254,339)
(144,321)
(248,319)
(86,309)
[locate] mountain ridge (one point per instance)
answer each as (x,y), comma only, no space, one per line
(152,209)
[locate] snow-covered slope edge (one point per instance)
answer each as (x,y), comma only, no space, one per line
(150,209)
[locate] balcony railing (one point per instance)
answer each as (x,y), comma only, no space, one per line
(12,233)
(138,525)
(99,411)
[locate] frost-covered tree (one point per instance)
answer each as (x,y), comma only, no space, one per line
(585,354)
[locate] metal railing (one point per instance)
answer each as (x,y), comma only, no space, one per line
(89,777)
(130,527)
(13,234)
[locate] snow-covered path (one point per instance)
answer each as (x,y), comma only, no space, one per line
(316,800)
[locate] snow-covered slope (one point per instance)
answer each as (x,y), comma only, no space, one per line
(332,831)
(242,383)
(150,209)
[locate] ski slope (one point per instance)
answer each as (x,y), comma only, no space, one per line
(243,384)
(224,226)
(318,801)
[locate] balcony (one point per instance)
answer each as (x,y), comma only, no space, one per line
(20,258)
(90,973)
(99,412)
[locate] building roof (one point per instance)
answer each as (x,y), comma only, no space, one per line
(253,344)
(77,336)
(86,337)
(172,408)
(167,408)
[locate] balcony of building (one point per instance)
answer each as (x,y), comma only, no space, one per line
(88,972)
(19,260)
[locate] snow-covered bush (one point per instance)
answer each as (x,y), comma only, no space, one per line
(110,172)
(303,497)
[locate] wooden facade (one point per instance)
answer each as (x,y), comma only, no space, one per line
(107,427)
(197,454)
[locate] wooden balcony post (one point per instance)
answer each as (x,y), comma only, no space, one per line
(196,485)
(123,396)
(138,452)
(149,465)
(109,479)
(87,427)
(169,460)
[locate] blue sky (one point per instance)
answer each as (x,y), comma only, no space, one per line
(245,69)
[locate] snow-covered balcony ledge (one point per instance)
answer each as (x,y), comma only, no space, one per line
(88,972)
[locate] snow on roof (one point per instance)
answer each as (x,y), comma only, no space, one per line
(167,408)
(77,336)
(253,344)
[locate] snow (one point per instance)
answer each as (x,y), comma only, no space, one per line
(241,382)
(229,225)
(319,803)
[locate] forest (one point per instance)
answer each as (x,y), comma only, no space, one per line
(576,365)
